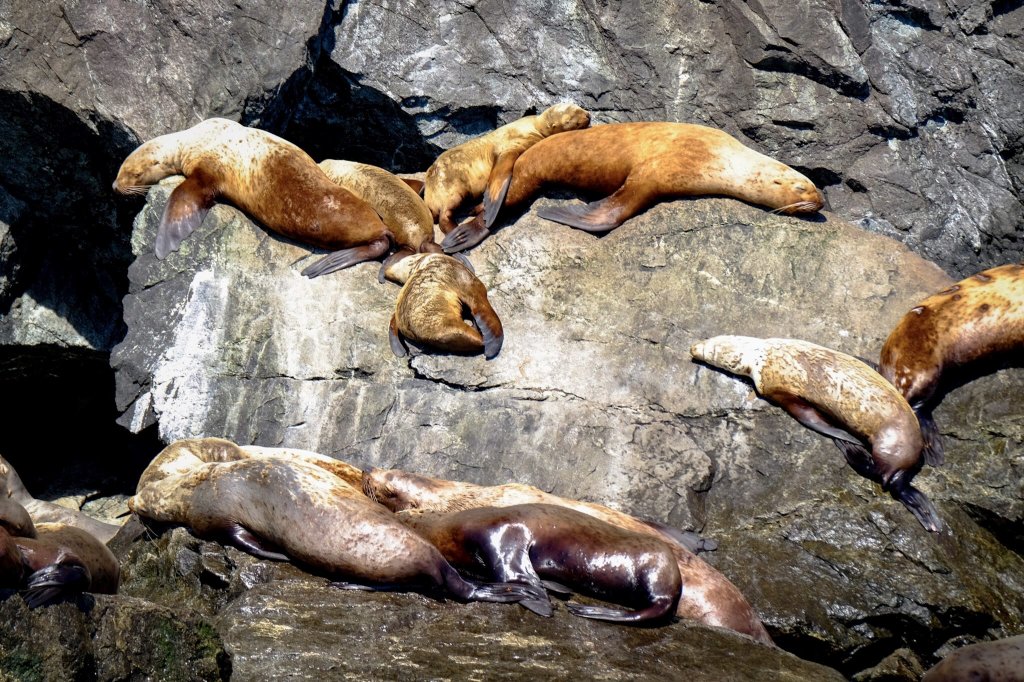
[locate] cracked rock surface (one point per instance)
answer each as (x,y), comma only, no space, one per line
(594,396)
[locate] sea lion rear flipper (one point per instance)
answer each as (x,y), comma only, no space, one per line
(490,327)
(660,609)
(416,185)
(558,588)
(933,451)
(533,597)
(809,416)
(466,235)
(395,339)
(185,210)
(920,506)
(497,185)
(686,538)
(859,458)
(55,583)
(344,258)
(247,541)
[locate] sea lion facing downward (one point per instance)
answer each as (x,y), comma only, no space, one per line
(398,205)
(635,165)
(1001,660)
(977,318)
(270,506)
(429,307)
(483,165)
(269,178)
(533,542)
(707,597)
(839,396)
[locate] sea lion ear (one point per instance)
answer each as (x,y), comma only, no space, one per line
(186,208)
(414,184)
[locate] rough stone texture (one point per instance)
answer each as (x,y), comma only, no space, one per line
(594,396)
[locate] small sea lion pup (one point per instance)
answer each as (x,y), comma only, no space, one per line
(429,307)
(999,661)
(269,178)
(281,509)
(978,319)
(483,165)
(532,543)
(399,206)
(839,396)
(51,562)
(707,596)
(634,165)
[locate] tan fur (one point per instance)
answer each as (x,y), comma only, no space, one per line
(463,172)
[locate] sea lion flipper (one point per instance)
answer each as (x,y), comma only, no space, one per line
(466,235)
(920,506)
(464,259)
(597,216)
(344,258)
(809,416)
(416,185)
(56,582)
(395,339)
(185,210)
(558,588)
(933,451)
(686,538)
(497,185)
(247,541)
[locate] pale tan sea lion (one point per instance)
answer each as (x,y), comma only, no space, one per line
(839,396)
(708,597)
(267,177)
(483,165)
(1001,660)
(634,165)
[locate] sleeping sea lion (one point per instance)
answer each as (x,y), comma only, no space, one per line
(269,178)
(634,165)
(839,396)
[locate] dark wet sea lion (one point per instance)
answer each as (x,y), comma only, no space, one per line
(483,165)
(288,508)
(634,165)
(530,543)
(976,319)
(708,597)
(269,178)
(429,307)
(999,661)
(839,396)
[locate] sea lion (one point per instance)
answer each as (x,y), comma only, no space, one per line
(1001,660)
(533,542)
(51,562)
(707,597)
(429,307)
(484,164)
(634,165)
(267,177)
(839,396)
(187,454)
(41,511)
(281,508)
(976,319)
(399,206)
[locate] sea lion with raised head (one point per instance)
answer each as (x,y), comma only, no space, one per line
(977,319)
(1001,660)
(839,396)
(437,288)
(267,177)
(279,508)
(634,165)
(532,543)
(707,596)
(484,164)
(399,206)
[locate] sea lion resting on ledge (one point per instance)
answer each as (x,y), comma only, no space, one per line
(707,597)
(279,508)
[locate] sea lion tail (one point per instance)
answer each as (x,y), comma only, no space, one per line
(933,452)
(56,583)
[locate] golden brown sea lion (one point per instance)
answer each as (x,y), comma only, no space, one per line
(976,319)
(399,206)
(708,597)
(839,396)
(429,307)
(532,543)
(999,661)
(483,165)
(288,508)
(635,165)
(269,178)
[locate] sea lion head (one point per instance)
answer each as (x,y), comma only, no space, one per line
(789,191)
(738,354)
(149,164)
(15,519)
(399,266)
(562,117)
(400,490)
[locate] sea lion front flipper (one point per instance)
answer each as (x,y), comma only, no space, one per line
(247,541)
(395,339)
(344,258)
(465,236)
(55,583)
(497,185)
(490,327)
(416,185)
(933,451)
(685,538)
(185,210)
(809,416)
(920,506)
